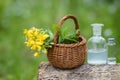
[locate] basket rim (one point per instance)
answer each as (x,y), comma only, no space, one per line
(82,42)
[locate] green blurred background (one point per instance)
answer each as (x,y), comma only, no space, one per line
(17,61)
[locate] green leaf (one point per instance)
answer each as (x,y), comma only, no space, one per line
(51,36)
(55,27)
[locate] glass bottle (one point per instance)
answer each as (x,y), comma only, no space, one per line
(111,51)
(97,47)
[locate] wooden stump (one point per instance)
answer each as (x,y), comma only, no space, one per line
(84,72)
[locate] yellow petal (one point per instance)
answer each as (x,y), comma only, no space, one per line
(34,47)
(36,54)
(39,42)
(45,36)
(31,41)
(38,48)
(38,36)
(27,44)
(25,31)
(30,33)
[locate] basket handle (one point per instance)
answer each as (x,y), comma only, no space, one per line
(60,24)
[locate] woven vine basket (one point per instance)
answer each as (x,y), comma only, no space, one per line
(67,56)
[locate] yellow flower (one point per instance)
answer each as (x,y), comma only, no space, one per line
(39,36)
(39,42)
(25,31)
(29,42)
(32,32)
(45,36)
(36,47)
(42,36)
(35,31)
(36,54)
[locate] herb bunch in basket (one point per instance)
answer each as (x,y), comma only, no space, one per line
(65,37)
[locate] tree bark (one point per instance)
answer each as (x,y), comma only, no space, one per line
(83,72)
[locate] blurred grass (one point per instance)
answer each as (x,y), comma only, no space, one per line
(17,61)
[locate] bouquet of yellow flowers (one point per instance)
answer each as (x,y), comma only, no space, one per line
(38,40)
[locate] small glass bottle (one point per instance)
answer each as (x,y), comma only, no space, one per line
(97,46)
(111,51)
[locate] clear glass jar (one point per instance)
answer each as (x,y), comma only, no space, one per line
(97,47)
(111,51)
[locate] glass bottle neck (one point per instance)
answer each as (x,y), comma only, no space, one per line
(97,29)
(96,35)
(97,32)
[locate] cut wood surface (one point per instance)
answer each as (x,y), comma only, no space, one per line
(85,72)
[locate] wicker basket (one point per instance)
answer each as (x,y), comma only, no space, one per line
(67,56)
